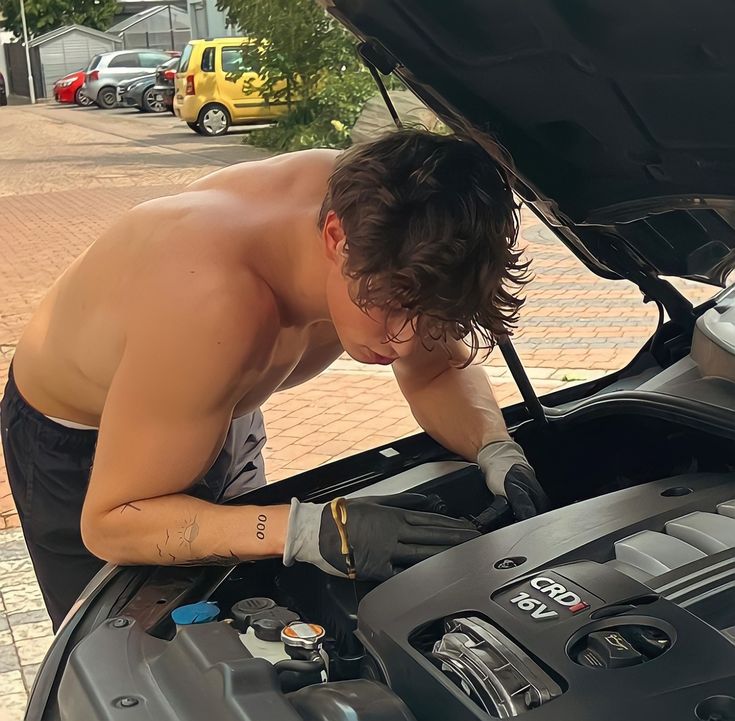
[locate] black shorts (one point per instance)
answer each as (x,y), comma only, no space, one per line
(48,467)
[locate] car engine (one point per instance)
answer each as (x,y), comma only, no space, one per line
(601,605)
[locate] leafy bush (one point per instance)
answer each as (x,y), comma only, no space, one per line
(305,58)
(323,121)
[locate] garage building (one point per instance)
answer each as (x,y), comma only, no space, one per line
(68,49)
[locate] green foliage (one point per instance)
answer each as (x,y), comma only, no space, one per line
(42,16)
(325,120)
(306,59)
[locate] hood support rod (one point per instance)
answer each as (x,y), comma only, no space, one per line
(377,61)
(530,399)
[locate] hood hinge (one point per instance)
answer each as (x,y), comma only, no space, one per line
(378,61)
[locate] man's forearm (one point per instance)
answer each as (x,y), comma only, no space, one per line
(458,409)
(182,530)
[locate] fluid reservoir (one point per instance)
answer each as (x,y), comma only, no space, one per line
(202,612)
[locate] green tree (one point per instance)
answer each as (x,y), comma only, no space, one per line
(309,60)
(42,16)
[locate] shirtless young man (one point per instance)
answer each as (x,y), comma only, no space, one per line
(172,329)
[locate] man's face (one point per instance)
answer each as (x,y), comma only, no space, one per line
(376,336)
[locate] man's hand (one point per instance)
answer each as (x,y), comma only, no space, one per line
(509,474)
(370,538)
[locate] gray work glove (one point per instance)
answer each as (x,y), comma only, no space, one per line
(509,474)
(370,538)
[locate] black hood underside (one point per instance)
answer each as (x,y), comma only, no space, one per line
(619,117)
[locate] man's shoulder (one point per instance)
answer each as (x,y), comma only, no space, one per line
(229,315)
(320,161)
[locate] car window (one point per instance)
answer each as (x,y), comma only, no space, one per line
(152,60)
(126,60)
(235,61)
(208,60)
(94,62)
(185,57)
(170,64)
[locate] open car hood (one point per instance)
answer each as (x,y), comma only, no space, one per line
(619,117)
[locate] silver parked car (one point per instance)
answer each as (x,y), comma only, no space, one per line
(105,71)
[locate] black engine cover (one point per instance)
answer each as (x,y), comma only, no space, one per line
(570,547)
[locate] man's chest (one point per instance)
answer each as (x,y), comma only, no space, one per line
(298,357)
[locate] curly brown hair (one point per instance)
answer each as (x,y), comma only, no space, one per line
(431,229)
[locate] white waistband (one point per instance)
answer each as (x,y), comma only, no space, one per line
(72,424)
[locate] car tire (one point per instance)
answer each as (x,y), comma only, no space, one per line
(195,128)
(150,104)
(81,99)
(107,97)
(214,120)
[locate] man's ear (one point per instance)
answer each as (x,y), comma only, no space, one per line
(334,237)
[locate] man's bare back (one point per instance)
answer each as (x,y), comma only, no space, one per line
(243,226)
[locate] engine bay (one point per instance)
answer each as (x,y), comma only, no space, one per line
(626,581)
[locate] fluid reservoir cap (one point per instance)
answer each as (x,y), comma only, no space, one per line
(246,612)
(253,605)
(302,635)
(202,612)
(268,629)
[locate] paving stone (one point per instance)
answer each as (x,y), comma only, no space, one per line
(13,706)
(7,568)
(8,657)
(23,631)
(25,617)
(23,599)
(11,682)
(29,675)
(33,650)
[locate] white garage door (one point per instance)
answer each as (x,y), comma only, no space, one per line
(69,52)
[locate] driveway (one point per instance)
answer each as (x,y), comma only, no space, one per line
(69,172)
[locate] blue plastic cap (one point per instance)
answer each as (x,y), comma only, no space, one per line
(202,612)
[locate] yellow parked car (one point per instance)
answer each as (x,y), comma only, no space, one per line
(214,86)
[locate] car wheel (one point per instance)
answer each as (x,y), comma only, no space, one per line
(195,127)
(81,99)
(150,104)
(107,98)
(213,120)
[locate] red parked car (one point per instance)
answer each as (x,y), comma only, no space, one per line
(69,89)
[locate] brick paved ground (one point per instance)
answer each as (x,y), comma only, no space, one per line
(67,173)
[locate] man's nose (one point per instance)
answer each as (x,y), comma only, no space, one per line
(403,344)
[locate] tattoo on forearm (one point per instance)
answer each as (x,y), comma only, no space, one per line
(215,559)
(168,535)
(189,533)
(260,527)
(125,507)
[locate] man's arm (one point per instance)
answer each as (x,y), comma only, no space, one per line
(456,406)
(191,340)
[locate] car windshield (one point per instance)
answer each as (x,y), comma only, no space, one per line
(184,61)
(94,62)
